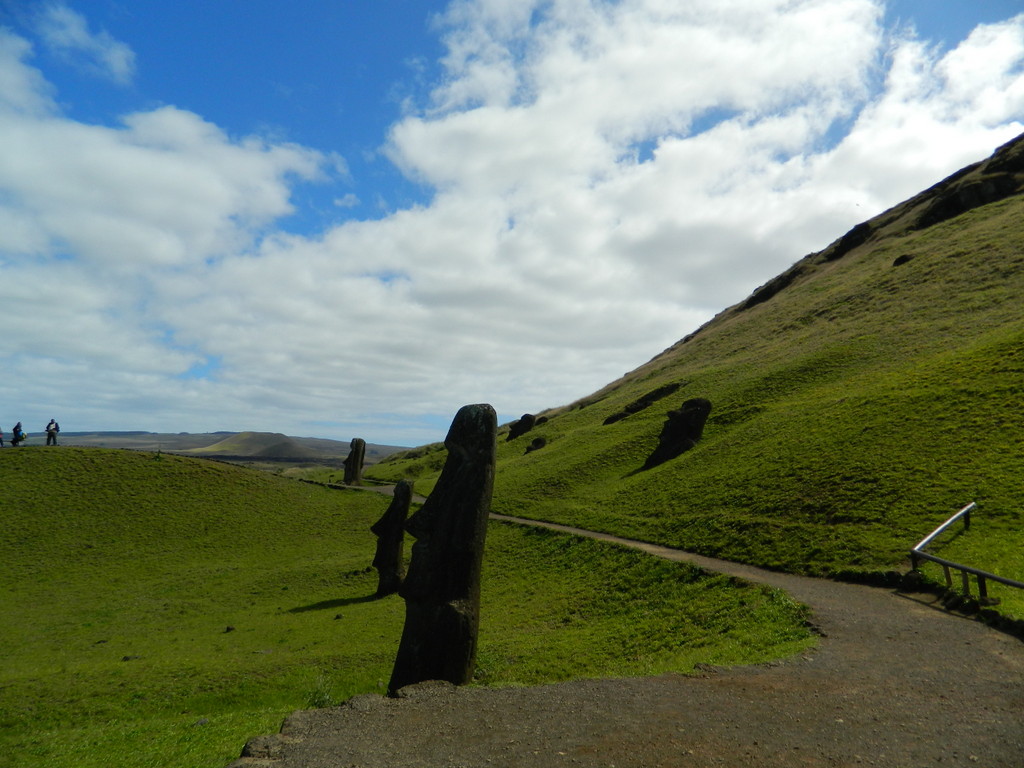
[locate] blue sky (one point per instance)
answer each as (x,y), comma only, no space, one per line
(346,219)
(324,74)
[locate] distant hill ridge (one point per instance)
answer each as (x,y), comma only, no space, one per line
(256,445)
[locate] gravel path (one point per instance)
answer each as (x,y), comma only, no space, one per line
(896,682)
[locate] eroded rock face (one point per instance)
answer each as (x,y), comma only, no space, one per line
(978,184)
(644,402)
(681,431)
(998,177)
(527,422)
(354,462)
(442,587)
(390,533)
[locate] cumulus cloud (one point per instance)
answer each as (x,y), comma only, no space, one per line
(606,177)
(935,114)
(165,188)
(96,218)
(22,89)
(68,34)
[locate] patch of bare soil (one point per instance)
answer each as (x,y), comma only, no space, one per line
(897,681)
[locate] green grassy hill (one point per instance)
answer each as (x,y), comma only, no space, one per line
(159,610)
(255,444)
(859,399)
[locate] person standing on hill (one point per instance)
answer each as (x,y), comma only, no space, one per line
(18,435)
(1,437)
(51,432)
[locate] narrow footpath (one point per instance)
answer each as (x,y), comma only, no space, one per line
(895,682)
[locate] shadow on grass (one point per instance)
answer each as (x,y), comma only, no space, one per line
(341,602)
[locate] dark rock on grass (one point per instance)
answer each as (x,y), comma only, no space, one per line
(536,444)
(681,431)
(519,428)
(644,402)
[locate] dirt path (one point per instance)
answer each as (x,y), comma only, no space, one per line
(896,682)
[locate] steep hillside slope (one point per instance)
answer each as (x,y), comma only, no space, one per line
(858,400)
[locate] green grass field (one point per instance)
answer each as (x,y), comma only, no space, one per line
(854,412)
(160,611)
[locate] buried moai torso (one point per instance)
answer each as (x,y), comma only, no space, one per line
(521,427)
(390,532)
(681,431)
(442,586)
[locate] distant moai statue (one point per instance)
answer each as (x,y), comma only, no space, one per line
(390,532)
(681,431)
(442,587)
(354,462)
(521,427)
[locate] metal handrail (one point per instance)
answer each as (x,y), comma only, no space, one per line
(965,513)
(983,577)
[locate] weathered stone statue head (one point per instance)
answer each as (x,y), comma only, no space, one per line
(442,587)
(354,462)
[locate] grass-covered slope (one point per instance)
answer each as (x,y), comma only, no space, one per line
(255,444)
(160,610)
(859,400)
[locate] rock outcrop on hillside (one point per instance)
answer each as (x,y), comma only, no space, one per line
(998,177)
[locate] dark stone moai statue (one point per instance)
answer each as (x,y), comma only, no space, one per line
(521,427)
(354,462)
(681,431)
(442,587)
(390,533)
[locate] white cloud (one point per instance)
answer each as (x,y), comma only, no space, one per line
(98,218)
(22,89)
(166,189)
(68,34)
(608,176)
(936,114)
